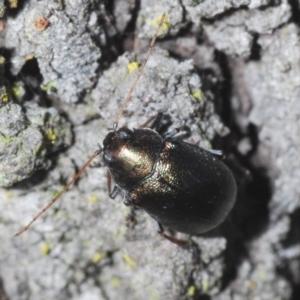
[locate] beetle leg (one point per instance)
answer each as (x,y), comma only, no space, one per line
(184,133)
(171,133)
(218,153)
(100,163)
(157,122)
(181,243)
(115,192)
(130,218)
(189,244)
(160,228)
(127,200)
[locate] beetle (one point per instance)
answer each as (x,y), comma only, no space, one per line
(181,186)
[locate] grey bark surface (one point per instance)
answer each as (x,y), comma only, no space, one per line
(228,70)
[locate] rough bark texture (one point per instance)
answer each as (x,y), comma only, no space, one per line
(229,70)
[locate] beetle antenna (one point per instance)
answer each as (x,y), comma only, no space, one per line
(140,72)
(76,176)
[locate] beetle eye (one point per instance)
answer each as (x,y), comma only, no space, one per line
(108,139)
(124,133)
(107,157)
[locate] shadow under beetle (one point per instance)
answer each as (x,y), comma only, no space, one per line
(181,186)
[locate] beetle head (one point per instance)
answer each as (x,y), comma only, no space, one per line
(114,142)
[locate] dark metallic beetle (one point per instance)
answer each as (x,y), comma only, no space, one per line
(181,186)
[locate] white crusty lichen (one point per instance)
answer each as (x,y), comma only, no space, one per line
(58,38)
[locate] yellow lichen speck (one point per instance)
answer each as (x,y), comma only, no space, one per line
(130,261)
(165,25)
(48,86)
(29,57)
(98,256)
(116,282)
(205,285)
(191,290)
(198,95)
(93,198)
(45,248)
(132,67)
(13,3)
(8,195)
(4,96)
(50,134)
(17,91)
